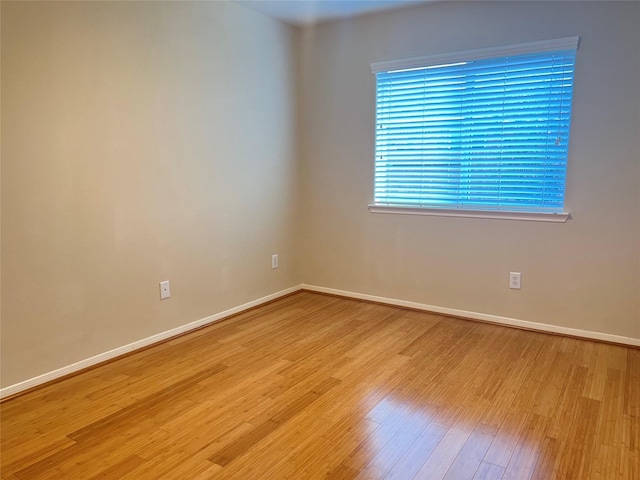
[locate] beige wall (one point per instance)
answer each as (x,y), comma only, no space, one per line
(584,274)
(141,141)
(144,141)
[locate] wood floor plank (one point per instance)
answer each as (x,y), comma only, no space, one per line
(443,456)
(16,460)
(342,472)
(242,444)
(470,456)
(488,471)
(119,469)
(382,463)
(414,457)
(506,439)
(525,456)
(318,387)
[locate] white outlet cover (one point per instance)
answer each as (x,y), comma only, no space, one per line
(514,280)
(165,290)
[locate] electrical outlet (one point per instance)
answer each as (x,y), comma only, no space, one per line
(165,290)
(274,260)
(514,280)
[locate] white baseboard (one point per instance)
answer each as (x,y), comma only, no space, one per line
(116,352)
(541,327)
(145,342)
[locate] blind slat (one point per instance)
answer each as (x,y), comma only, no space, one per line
(491,133)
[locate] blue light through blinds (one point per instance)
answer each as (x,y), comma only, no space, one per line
(487,134)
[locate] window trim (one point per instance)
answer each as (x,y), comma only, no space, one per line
(553,217)
(565,43)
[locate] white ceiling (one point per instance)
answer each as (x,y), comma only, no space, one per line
(306,12)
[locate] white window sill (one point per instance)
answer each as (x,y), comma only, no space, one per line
(494,214)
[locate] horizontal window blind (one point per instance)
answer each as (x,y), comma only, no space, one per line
(489,134)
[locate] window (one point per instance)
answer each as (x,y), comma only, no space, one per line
(478,131)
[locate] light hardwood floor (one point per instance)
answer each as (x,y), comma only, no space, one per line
(313,386)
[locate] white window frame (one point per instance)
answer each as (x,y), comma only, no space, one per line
(566,43)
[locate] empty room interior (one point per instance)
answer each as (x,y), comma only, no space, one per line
(320,239)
